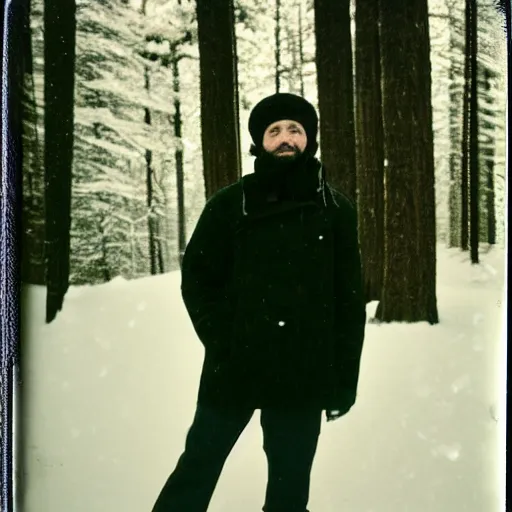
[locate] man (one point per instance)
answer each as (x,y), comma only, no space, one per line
(271,279)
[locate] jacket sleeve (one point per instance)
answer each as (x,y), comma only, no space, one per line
(351,305)
(206,273)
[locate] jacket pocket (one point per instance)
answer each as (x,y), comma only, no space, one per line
(213,327)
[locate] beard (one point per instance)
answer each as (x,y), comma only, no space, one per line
(275,162)
(278,153)
(295,175)
(285,158)
(281,173)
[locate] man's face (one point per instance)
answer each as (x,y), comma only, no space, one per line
(285,139)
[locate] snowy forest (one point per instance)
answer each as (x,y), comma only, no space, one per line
(135,112)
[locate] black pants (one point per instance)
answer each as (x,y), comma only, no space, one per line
(289,441)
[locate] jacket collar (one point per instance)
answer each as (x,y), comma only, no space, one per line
(266,191)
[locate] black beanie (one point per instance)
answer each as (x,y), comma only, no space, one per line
(284,106)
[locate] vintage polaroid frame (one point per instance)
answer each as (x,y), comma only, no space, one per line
(96,403)
(10,196)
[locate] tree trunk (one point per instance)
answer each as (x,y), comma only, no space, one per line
(59,82)
(464,236)
(491,214)
(28,113)
(409,285)
(369,146)
(474,172)
(178,155)
(237,90)
(152,248)
(132,251)
(489,155)
(454,238)
(277,51)
(219,123)
(335,93)
(149,190)
(301,51)
(33,230)
(105,267)
(159,249)
(293,75)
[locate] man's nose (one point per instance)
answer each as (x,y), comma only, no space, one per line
(284,139)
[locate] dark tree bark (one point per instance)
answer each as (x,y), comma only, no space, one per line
(369,146)
(465,150)
(277,51)
(59,82)
(489,154)
(454,235)
(474,171)
(149,190)
(301,51)
(173,60)
(28,111)
(105,267)
(159,249)
(152,220)
(293,73)
(237,88)
(490,203)
(335,93)
(178,155)
(219,123)
(409,285)
(33,229)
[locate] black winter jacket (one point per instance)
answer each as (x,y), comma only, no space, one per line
(274,292)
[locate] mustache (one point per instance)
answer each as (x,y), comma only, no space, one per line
(286,147)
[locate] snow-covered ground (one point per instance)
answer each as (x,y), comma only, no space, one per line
(110,386)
